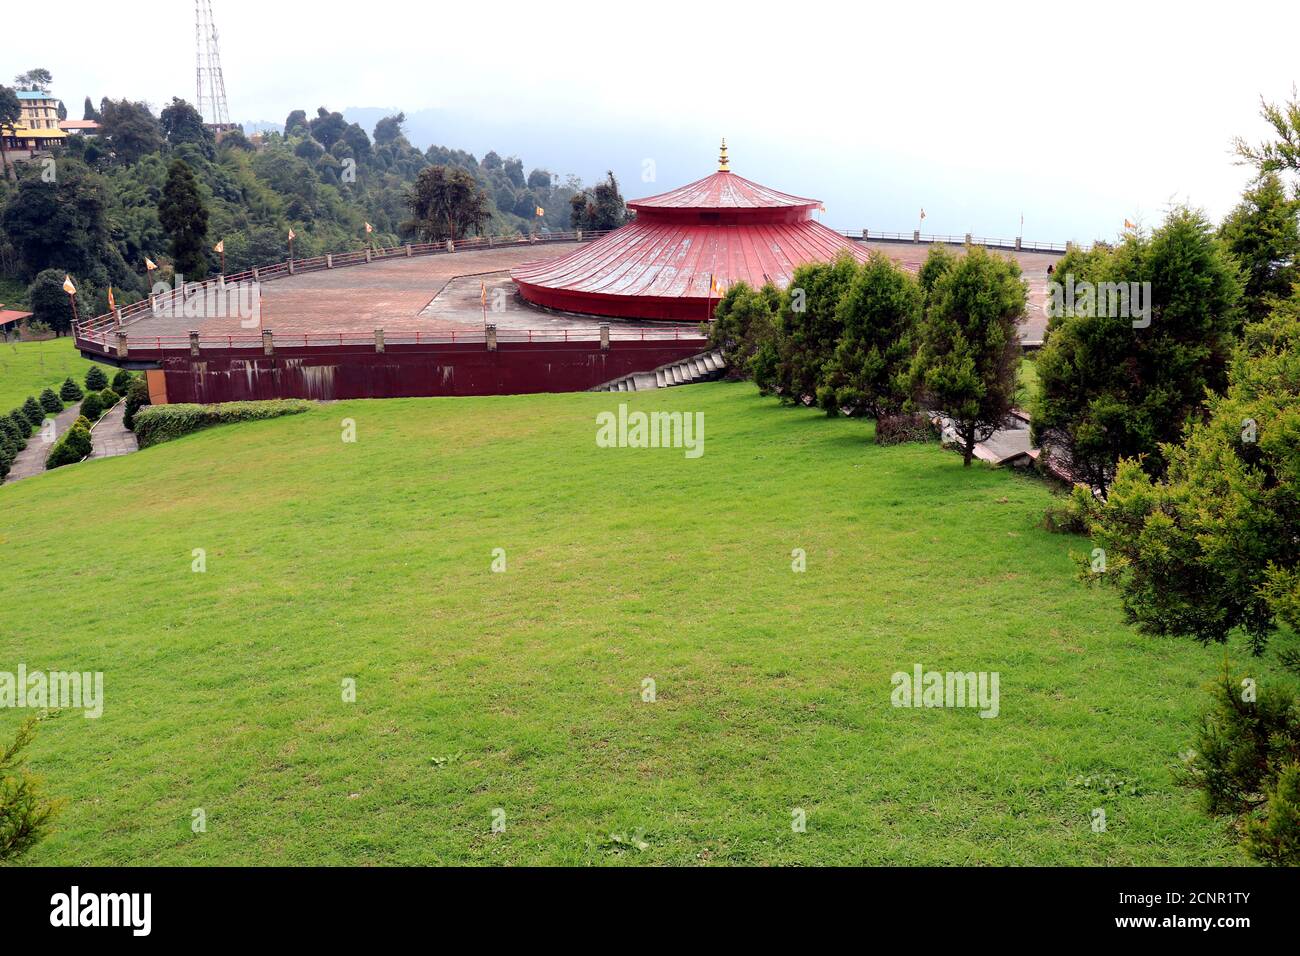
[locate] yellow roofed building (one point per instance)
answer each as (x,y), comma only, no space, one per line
(38,126)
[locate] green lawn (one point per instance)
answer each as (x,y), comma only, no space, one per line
(522,690)
(1027,387)
(28,367)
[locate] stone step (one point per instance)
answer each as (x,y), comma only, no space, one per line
(661,378)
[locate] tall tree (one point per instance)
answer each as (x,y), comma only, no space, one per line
(1214,544)
(328,128)
(743,324)
(11,111)
(38,80)
(184,216)
(808,327)
(969,345)
(389,129)
(1263,232)
(182,123)
(89,112)
(600,207)
(49,302)
(131,128)
(879,313)
(64,224)
(1282,152)
(296,123)
(1114,386)
(446,203)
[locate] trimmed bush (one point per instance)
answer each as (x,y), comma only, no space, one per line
(70,391)
(20,424)
(9,430)
(72,447)
(33,411)
(137,397)
(92,407)
(898,429)
(8,452)
(50,402)
(122,381)
(109,397)
(162,423)
(96,380)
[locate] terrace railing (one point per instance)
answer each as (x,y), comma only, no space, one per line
(95,329)
(1018,244)
(150,347)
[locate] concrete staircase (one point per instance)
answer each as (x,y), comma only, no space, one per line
(697,368)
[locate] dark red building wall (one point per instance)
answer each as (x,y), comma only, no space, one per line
(339,372)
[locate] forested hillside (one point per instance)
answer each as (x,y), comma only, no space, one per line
(102,209)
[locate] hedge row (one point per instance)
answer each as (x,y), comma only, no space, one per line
(159,423)
(16,427)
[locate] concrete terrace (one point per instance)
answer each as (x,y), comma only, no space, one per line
(442,293)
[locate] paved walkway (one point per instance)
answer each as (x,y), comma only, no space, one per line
(31,460)
(110,437)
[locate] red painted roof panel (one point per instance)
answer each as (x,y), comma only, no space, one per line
(663,269)
(723,190)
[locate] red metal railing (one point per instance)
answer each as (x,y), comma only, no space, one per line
(106,342)
(89,330)
(926,238)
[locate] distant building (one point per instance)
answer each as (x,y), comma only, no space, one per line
(684,248)
(40,109)
(79,127)
(38,126)
(11,321)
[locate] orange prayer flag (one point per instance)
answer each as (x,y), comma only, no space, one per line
(111,304)
(149,264)
(68,287)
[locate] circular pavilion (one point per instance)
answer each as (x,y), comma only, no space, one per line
(684,246)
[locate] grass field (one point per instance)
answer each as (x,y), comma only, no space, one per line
(522,691)
(28,367)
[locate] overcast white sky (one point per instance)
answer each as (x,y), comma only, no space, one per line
(1077,115)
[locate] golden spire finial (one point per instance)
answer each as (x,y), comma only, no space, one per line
(722,158)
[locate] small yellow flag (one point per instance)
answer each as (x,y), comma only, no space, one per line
(717,288)
(220,246)
(68,287)
(369,229)
(541,211)
(1129,225)
(292,235)
(149,264)
(483,293)
(111,303)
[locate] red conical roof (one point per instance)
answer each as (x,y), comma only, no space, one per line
(662,265)
(723,190)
